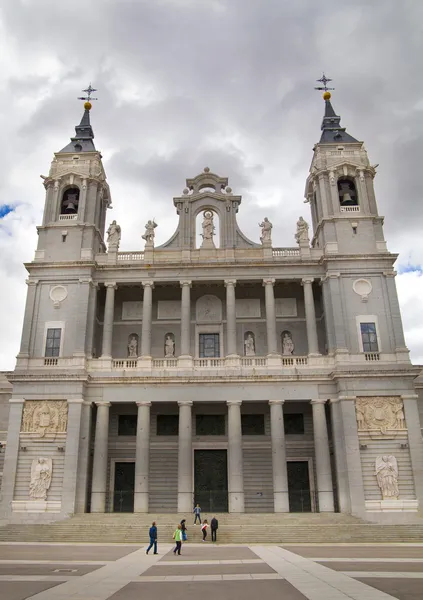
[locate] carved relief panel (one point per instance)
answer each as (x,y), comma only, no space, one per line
(381,414)
(209,309)
(45,416)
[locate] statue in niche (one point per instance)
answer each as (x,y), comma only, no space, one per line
(387,477)
(45,416)
(113,234)
(169,345)
(380,414)
(249,344)
(41,472)
(302,232)
(208,229)
(287,343)
(149,232)
(133,346)
(266,232)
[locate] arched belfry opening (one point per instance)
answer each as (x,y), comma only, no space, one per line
(207,229)
(70,201)
(347,192)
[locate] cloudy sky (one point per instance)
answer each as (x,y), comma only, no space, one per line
(184,84)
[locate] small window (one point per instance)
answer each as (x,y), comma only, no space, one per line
(209,345)
(210,424)
(53,342)
(167,425)
(369,337)
(294,423)
(127,425)
(252,424)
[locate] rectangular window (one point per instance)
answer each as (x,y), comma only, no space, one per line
(293,423)
(369,337)
(252,424)
(127,425)
(167,425)
(210,424)
(53,342)
(209,345)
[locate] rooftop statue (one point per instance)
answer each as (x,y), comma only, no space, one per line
(149,233)
(114,234)
(302,232)
(266,232)
(208,229)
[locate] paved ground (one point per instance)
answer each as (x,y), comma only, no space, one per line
(115,572)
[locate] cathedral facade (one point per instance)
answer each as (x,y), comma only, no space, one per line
(224,372)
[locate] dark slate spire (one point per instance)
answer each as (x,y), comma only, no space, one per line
(332,132)
(84,135)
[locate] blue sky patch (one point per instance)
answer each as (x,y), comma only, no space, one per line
(410,269)
(5,209)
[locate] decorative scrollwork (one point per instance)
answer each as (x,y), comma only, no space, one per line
(380,413)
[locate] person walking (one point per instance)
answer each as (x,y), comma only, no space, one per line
(184,530)
(204,529)
(214,525)
(177,536)
(153,538)
(197,513)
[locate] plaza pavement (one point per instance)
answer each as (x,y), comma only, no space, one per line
(124,572)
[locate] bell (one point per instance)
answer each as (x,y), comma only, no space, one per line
(346,199)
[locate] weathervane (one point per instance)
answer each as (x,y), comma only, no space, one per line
(88,91)
(325,80)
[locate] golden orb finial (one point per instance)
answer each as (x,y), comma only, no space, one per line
(327,95)
(88,105)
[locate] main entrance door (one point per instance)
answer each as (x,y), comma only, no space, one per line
(123,492)
(299,486)
(211,480)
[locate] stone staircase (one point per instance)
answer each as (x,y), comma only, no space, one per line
(239,529)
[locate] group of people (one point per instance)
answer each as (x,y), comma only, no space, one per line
(180,534)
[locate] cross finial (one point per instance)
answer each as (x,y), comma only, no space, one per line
(324,80)
(88,91)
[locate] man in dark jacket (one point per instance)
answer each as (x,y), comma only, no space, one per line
(214,527)
(153,538)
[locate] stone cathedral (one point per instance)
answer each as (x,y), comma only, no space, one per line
(212,369)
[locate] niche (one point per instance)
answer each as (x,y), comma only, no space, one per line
(347,193)
(70,201)
(287,343)
(169,345)
(249,344)
(133,345)
(207,229)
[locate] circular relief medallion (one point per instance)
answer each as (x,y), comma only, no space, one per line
(362,287)
(58,293)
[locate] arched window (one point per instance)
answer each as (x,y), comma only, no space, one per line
(70,201)
(347,193)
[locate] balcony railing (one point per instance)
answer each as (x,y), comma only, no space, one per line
(285,252)
(350,209)
(130,256)
(372,356)
(72,217)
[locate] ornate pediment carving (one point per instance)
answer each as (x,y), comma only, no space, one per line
(380,413)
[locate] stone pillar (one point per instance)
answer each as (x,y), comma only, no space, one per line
(230,317)
(147,311)
(186,318)
(352,455)
(142,458)
(109,313)
(395,313)
(185,491)
(235,459)
(310,315)
(415,442)
(11,454)
(84,458)
(342,485)
(99,482)
(272,345)
(28,317)
(280,472)
(92,309)
(71,466)
(81,309)
(321,448)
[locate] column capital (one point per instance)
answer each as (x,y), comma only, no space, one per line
(319,401)
(390,273)
(87,280)
(334,400)
(31,281)
(269,281)
(148,283)
(102,403)
(185,402)
(276,402)
(185,282)
(353,398)
(234,402)
(75,401)
(307,280)
(409,396)
(17,401)
(230,282)
(143,403)
(110,284)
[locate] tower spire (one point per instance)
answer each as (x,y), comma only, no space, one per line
(84,135)
(332,132)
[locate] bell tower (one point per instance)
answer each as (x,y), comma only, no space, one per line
(77,198)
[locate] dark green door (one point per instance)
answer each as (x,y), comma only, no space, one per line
(299,486)
(211,480)
(123,494)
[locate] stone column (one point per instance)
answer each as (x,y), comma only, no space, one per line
(142,458)
(84,458)
(415,442)
(230,317)
(395,313)
(28,318)
(71,466)
(92,308)
(99,482)
(321,448)
(272,345)
(147,311)
(185,491)
(11,455)
(235,458)
(109,313)
(81,309)
(280,472)
(310,315)
(352,455)
(186,318)
(343,488)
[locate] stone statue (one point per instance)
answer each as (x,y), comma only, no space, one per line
(250,347)
(266,232)
(41,472)
(287,343)
(169,346)
(208,230)
(381,414)
(113,233)
(149,233)
(302,232)
(133,346)
(387,476)
(45,416)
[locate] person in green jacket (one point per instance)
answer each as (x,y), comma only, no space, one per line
(177,536)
